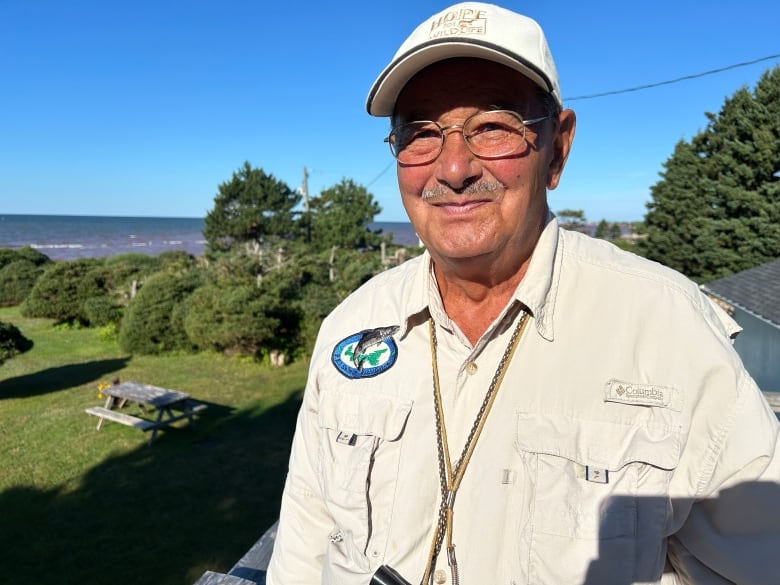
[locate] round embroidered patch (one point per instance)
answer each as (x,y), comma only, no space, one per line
(376,359)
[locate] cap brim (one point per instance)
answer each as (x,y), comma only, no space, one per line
(385,90)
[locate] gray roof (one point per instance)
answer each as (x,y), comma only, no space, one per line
(756,290)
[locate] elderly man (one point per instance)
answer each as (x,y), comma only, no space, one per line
(520,404)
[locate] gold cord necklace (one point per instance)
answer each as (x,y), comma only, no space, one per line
(449,477)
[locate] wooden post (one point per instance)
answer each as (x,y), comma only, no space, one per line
(332,270)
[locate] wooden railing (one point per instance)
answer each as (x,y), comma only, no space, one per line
(773,398)
(250,570)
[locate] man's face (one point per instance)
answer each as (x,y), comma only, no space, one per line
(464,207)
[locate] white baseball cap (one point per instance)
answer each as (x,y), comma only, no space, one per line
(468,29)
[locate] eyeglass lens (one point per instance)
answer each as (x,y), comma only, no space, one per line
(488,134)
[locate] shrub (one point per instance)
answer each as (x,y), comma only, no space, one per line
(60,292)
(108,332)
(177,261)
(354,268)
(17,279)
(100,311)
(12,342)
(120,272)
(231,319)
(32,255)
(8,255)
(153,321)
(318,301)
(140,262)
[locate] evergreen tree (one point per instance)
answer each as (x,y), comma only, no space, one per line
(716,210)
(571,219)
(602,230)
(677,214)
(250,209)
(341,216)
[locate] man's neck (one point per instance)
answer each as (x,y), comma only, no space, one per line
(474,303)
(474,291)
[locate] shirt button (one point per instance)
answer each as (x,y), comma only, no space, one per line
(471,369)
(375,553)
(439,576)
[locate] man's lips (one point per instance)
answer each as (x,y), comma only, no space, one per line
(459,203)
(459,207)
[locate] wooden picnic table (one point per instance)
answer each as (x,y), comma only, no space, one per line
(166,407)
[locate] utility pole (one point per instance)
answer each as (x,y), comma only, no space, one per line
(305,190)
(305,193)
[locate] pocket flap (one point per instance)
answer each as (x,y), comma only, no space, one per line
(364,414)
(607,444)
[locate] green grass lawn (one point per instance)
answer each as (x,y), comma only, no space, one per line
(92,507)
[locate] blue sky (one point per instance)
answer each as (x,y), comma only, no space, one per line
(143,108)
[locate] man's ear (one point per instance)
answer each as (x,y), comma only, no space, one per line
(567,122)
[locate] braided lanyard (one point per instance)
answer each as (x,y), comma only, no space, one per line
(449,478)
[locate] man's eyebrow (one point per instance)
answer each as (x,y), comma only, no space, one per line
(521,107)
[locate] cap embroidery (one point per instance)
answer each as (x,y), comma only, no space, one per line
(465,21)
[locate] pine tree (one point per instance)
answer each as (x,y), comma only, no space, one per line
(716,210)
(602,230)
(250,209)
(341,216)
(677,214)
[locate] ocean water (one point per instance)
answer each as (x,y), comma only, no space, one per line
(66,237)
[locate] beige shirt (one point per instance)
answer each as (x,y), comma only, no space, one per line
(627,444)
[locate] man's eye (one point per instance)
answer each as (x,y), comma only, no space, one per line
(416,136)
(491,127)
(425,133)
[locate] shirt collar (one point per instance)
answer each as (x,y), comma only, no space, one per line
(537,291)
(418,292)
(539,288)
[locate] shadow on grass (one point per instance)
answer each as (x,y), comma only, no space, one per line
(59,378)
(194,501)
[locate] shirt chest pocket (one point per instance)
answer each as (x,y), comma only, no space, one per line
(597,479)
(598,495)
(358,428)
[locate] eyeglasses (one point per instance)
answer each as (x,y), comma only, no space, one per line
(490,134)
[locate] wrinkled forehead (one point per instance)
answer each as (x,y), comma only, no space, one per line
(465,83)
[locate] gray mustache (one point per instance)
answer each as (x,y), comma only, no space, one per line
(472,189)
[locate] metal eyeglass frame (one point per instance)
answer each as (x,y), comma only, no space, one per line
(461,127)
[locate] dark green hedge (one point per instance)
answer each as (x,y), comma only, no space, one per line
(12,342)
(17,280)
(153,322)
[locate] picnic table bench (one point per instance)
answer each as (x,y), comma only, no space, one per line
(165,407)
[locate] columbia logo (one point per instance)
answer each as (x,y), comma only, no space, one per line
(641,394)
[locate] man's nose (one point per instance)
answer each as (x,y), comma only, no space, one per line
(456,165)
